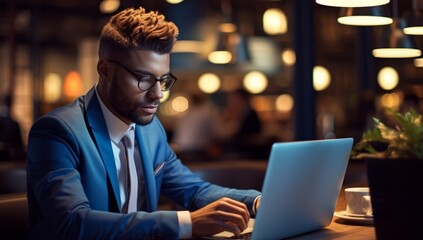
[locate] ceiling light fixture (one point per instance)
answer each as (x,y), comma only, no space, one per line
(231,45)
(274,21)
(393,42)
(365,16)
(414,19)
(418,62)
(352,3)
(174,1)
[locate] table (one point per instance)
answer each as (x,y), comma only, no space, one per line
(340,229)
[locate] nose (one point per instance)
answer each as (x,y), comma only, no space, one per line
(156,91)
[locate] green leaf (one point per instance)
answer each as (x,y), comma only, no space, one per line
(403,135)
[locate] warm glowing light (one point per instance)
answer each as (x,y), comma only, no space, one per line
(227,27)
(180,104)
(387,78)
(321,78)
(262,103)
(109,6)
(365,20)
(188,46)
(165,96)
(418,62)
(417,30)
(174,1)
(274,21)
(390,100)
(220,57)
(167,110)
(72,86)
(396,52)
(209,83)
(289,57)
(255,82)
(352,3)
(52,88)
(284,103)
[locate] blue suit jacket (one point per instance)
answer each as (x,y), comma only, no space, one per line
(73,189)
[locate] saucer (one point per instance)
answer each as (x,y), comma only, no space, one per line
(360,219)
(357,215)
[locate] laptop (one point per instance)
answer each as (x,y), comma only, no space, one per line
(301,187)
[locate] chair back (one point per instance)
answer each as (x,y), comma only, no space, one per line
(14,215)
(12,177)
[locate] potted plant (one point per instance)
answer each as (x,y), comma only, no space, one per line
(393,151)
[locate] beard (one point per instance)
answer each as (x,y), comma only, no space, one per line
(128,108)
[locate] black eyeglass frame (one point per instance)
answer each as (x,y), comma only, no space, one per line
(166,81)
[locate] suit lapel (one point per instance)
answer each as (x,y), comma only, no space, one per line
(146,161)
(102,139)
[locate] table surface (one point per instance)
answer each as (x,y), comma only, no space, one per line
(341,229)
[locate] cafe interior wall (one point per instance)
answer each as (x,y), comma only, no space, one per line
(66,40)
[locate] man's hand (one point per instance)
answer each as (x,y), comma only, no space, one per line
(224,214)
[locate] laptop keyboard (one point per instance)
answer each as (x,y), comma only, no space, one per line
(246,235)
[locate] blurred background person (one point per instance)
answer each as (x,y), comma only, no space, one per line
(240,126)
(195,132)
(11,144)
(410,102)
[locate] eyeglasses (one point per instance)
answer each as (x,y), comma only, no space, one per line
(146,81)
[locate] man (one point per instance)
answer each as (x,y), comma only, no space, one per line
(79,183)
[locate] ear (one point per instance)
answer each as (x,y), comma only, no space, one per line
(102,69)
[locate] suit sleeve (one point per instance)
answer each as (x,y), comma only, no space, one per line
(189,191)
(192,193)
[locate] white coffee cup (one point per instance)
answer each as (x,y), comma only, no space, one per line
(358,201)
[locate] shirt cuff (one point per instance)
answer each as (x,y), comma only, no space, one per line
(185,225)
(255,204)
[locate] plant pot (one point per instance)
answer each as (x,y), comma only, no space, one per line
(396,190)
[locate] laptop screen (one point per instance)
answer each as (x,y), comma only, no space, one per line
(301,187)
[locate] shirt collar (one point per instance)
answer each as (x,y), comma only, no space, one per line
(116,127)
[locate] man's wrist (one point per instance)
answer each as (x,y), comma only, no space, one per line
(185,224)
(255,204)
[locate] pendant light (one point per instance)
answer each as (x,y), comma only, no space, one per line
(365,16)
(414,19)
(352,3)
(231,46)
(393,42)
(418,62)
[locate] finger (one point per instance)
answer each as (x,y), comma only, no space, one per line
(230,218)
(234,202)
(233,206)
(229,227)
(234,212)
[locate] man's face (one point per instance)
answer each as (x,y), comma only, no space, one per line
(119,89)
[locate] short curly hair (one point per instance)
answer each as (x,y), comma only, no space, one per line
(136,28)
